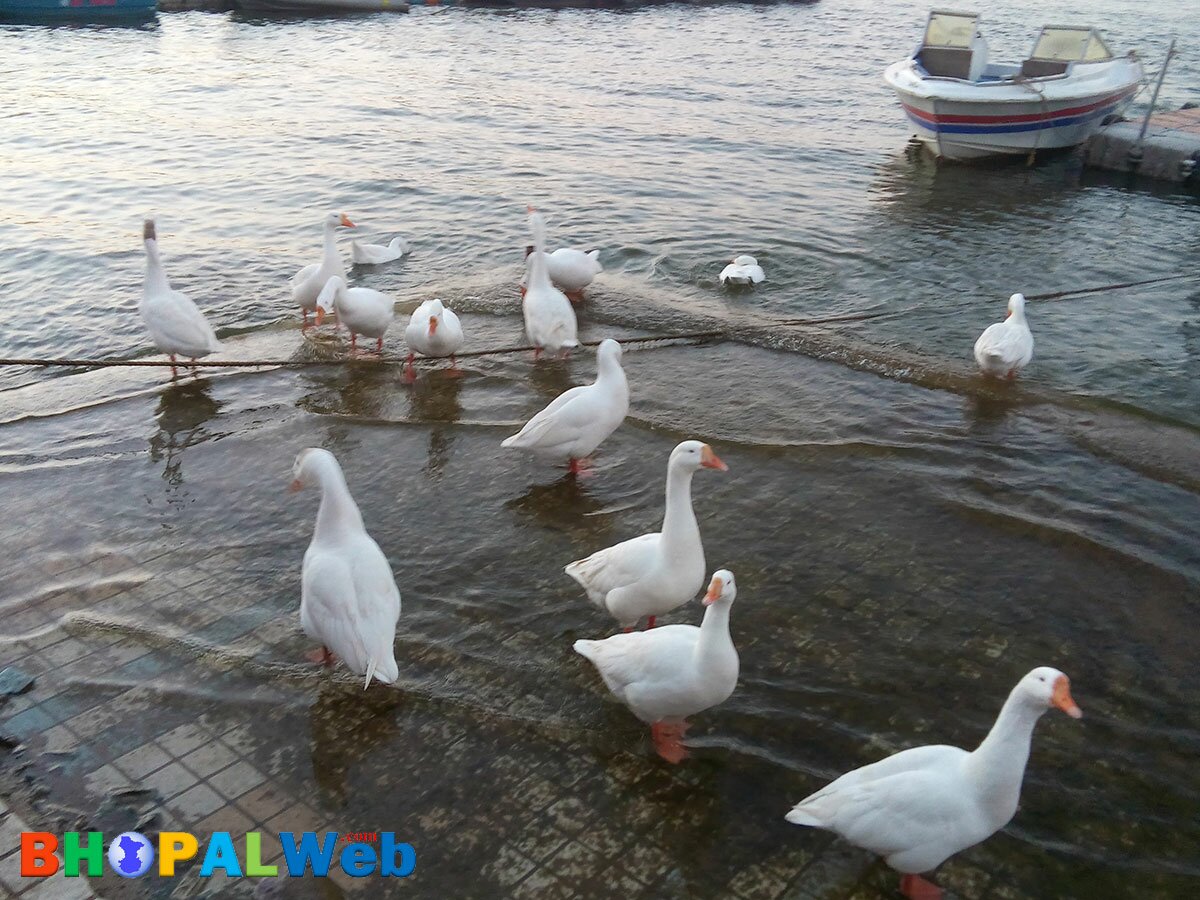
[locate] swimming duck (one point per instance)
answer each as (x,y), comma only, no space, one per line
(1005,348)
(673,672)
(549,318)
(308,283)
(433,330)
(348,596)
(175,323)
(362,310)
(580,419)
(374,254)
(920,806)
(742,270)
(654,573)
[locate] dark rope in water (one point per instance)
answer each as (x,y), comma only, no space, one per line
(1057,295)
(698,336)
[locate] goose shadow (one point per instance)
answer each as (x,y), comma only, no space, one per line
(183,408)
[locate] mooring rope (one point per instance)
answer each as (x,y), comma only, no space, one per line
(1058,295)
(697,336)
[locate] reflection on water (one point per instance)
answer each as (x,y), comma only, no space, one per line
(433,398)
(183,408)
(348,724)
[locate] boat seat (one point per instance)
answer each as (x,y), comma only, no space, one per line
(946,62)
(1040,68)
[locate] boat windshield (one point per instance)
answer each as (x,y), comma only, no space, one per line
(1070,44)
(950,29)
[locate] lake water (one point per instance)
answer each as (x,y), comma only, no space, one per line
(908,540)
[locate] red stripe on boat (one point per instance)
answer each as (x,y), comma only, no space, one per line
(947,119)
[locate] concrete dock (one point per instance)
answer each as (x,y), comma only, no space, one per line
(1170,150)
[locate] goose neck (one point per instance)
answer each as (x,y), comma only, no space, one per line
(338,513)
(998,763)
(679,521)
(156,276)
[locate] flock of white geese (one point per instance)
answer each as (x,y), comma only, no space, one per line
(915,808)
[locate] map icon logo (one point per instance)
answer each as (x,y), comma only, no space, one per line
(130,854)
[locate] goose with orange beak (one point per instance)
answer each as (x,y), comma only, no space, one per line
(672,672)
(919,807)
(650,575)
(433,330)
(308,283)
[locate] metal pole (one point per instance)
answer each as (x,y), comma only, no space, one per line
(1154,97)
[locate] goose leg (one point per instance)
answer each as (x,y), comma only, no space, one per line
(917,888)
(174,371)
(410,371)
(650,622)
(304,312)
(321,657)
(537,353)
(379,346)
(454,371)
(353,343)
(574,296)
(667,738)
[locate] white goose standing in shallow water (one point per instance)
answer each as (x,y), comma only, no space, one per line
(673,672)
(362,310)
(308,283)
(652,574)
(1005,348)
(348,596)
(919,807)
(570,269)
(579,420)
(433,330)
(175,323)
(549,318)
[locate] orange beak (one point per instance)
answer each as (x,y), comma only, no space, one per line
(320,315)
(296,485)
(710,460)
(1062,698)
(347,223)
(714,591)
(432,324)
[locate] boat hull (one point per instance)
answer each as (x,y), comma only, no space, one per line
(959,120)
(76,9)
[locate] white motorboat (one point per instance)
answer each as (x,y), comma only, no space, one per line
(964,106)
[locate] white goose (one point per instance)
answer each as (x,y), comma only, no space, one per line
(362,310)
(348,596)
(374,254)
(654,573)
(433,330)
(549,318)
(742,270)
(570,269)
(308,283)
(921,806)
(1005,348)
(175,323)
(673,672)
(580,419)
